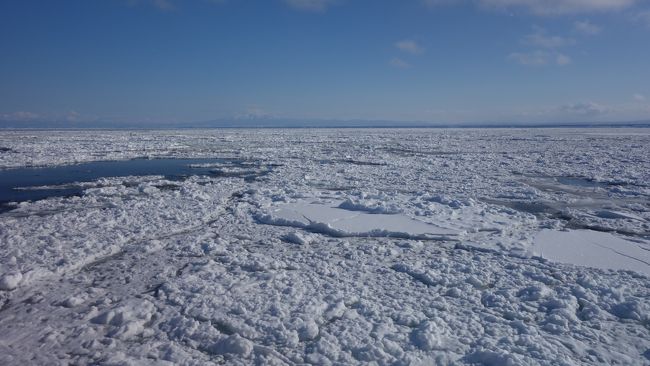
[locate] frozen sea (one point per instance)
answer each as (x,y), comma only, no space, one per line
(325,246)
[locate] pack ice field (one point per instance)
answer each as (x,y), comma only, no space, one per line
(325,246)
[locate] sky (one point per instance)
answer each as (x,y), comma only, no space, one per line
(442,61)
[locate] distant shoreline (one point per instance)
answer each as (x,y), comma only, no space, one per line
(317,125)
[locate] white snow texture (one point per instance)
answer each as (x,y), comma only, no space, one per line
(339,247)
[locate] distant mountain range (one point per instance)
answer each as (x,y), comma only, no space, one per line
(299,123)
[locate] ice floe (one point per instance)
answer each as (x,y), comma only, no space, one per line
(337,220)
(332,247)
(594,249)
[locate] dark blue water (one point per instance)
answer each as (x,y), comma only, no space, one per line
(172,169)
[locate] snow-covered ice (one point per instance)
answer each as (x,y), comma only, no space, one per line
(340,222)
(371,246)
(594,249)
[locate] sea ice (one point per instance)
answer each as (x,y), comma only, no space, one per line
(315,247)
(594,249)
(334,220)
(9,281)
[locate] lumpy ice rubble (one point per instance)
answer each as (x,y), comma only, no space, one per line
(387,247)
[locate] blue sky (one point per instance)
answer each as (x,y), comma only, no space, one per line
(148,61)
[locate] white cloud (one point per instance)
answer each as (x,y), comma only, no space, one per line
(540,38)
(540,58)
(639,97)
(163,4)
(19,116)
(533,58)
(439,2)
(74,116)
(585,109)
(562,59)
(254,112)
(310,5)
(586,27)
(399,63)
(410,46)
(560,7)
(642,17)
(545,49)
(547,7)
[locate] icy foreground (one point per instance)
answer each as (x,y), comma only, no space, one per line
(399,247)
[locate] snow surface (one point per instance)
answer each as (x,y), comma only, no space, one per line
(388,247)
(339,222)
(594,249)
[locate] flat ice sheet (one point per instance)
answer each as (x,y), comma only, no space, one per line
(593,249)
(353,223)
